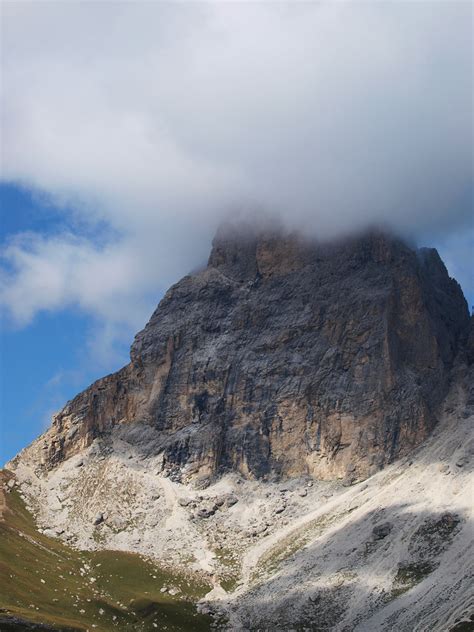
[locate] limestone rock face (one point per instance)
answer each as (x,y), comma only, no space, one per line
(282,357)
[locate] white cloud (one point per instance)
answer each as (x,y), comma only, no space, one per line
(158,118)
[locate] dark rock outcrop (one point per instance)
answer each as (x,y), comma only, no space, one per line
(283,357)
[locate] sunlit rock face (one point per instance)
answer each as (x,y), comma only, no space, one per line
(282,357)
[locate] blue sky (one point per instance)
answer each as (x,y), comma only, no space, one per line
(48,361)
(122,154)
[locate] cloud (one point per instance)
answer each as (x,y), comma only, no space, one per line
(159,119)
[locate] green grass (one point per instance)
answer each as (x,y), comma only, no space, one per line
(124,596)
(229,571)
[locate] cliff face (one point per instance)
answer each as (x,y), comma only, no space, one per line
(282,357)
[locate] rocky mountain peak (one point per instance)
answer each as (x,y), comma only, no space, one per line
(245,252)
(285,356)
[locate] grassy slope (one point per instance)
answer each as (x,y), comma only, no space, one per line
(124,596)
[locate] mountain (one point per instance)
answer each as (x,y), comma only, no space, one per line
(293,428)
(283,357)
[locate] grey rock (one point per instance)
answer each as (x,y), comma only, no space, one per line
(98,519)
(71,433)
(231,500)
(117,523)
(202,482)
(348,481)
(220,501)
(184,502)
(204,609)
(382,530)
(205,512)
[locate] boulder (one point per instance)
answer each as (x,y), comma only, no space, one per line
(231,500)
(184,502)
(205,512)
(382,530)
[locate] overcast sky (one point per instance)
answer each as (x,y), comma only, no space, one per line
(141,125)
